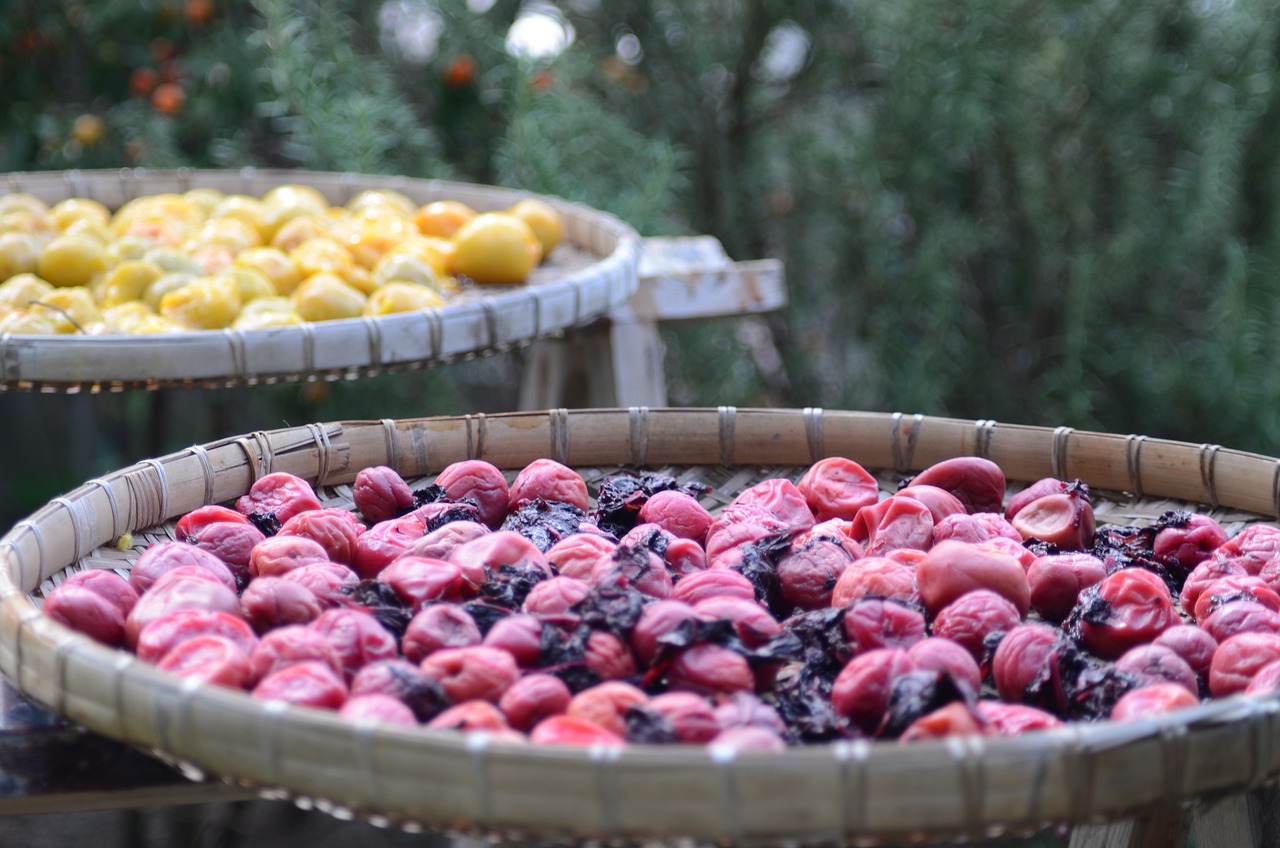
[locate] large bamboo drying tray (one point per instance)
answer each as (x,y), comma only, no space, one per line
(851,792)
(590,274)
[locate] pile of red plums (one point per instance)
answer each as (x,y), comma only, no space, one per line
(802,612)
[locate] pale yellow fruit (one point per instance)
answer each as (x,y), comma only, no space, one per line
(251,283)
(321,255)
(327,297)
(205,199)
(22,202)
(209,303)
(402,297)
(127,247)
(67,212)
(128,281)
(381,198)
(123,317)
(496,249)
(405,267)
(283,204)
(19,253)
(72,260)
(267,320)
(27,322)
(248,210)
(298,230)
(17,291)
(165,284)
(544,219)
(172,260)
(72,309)
(275,264)
(442,218)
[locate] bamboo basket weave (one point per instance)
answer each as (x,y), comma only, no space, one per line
(846,792)
(591,273)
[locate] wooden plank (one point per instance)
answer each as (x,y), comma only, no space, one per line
(1230,822)
(1162,828)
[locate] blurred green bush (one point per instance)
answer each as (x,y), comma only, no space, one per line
(1051,212)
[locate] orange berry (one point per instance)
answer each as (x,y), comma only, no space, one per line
(142,81)
(460,71)
(168,98)
(198,11)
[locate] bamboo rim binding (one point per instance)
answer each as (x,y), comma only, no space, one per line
(854,791)
(593,272)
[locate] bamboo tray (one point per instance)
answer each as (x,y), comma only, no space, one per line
(587,276)
(843,792)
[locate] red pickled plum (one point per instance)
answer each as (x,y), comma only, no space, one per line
(1241,617)
(1157,664)
(275,555)
(86,611)
(807,573)
(955,719)
(1065,520)
(1195,646)
(1238,659)
(573,730)
(519,635)
(358,637)
(437,627)
(893,523)
(748,739)
(280,494)
(533,698)
(555,596)
(753,624)
(470,715)
(483,555)
(1127,608)
(837,487)
(1057,580)
(419,580)
(1003,719)
(331,583)
(875,576)
(548,480)
(377,709)
(976,482)
(380,493)
(182,593)
(403,681)
(942,655)
(380,545)
(860,693)
(951,569)
(635,566)
(480,482)
(1152,699)
(714,583)
(307,684)
(576,555)
(1188,540)
(106,583)
(678,513)
(871,623)
(691,716)
(710,669)
(335,529)
(230,541)
(1035,491)
(441,542)
(1022,665)
(1265,681)
(168,631)
(1205,575)
(210,659)
(163,557)
(744,709)
(270,602)
(200,516)
(973,618)
(291,644)
(606,704)
(656,621)
(940,502)
(608,656)
(1235,588)
(476,673)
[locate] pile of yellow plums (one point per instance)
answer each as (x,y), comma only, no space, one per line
(205,260)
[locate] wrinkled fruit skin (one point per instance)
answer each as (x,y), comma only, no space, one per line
(1129,607)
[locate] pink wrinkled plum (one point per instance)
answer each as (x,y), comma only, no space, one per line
(780,498)
(281,494)
(1035,491)
(168,631)
(955,719)
(1003,719)
(382,543)
(745,709)
(876,577)
(330,582)
(1189,540)
(210,659)
(419,580)
(275,555)
(87,612)
(576,555)
(678,513)
(403,681)
(709,669)
(656,621)
(743,525)
(1058,579)
(555,596)
(230,541)
(548,480)
(1205,575)
(754,624)
(1024,660)
(190,523)
(533,698)
(357,636)
(1129,607)
(691,716)
(1235,588)
(377,709)
(893,523)
(471,715)
(684,557)
(441,542)
(950,569)
(860,693)
(1259,539)
(1195,646)
(437,627)
(837,487)
(1240,617)
(942,655)
(476,673)
(635,566)
(270,602)
(179,592)
(608,656)
(1265,681)
(1065,520)
(808,572)
(1238,659)
(1157,664)
(963,527)
(162,557)
(871,623)
(748,739)
(309,683)
(106,583)
(381,493)
(519,635)
(291,644)
(1002,545)
(480,482)
(1152,699)
(714,583)
(974,618)
(335,529)
(574,730)
(606,704)
(940,502)
(976,482)
(491,551)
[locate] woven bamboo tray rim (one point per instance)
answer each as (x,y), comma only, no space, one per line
(850,792)
(593,272)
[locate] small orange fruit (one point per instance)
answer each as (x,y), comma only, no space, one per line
(543,218)
(442,218)
(168,98)
(496,248)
